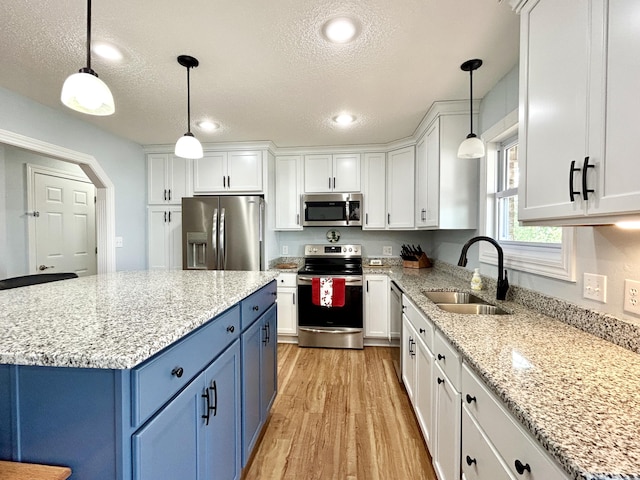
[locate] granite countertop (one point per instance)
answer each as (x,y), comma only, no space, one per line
(575,392)
(114,320)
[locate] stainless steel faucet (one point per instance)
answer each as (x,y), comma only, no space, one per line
(503,281)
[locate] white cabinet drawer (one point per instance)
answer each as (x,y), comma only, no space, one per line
(448,359)
(515,445)
(479,459)
(287,279)
(423,326)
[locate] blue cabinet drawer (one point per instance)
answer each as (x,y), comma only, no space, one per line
(159,378)
(257,303)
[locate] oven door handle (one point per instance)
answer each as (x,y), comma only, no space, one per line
(348,280)
(326,330)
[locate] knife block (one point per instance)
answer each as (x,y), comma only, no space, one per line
(421,262)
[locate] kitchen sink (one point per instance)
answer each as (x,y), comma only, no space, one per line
(452,297)
(463,302)
(472,308)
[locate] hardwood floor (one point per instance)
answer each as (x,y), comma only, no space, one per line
(339,414)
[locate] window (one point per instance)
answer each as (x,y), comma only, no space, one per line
(507,227)
(546,251)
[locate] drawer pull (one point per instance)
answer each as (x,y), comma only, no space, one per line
(231,329)
(471,461)
(255,308)
(177,372)
(440,357)
(440,380)
(422,330)
(470,398)
(520,468)
(214,389)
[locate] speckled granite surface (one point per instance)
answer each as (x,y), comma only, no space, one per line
(115,320)
(580,395)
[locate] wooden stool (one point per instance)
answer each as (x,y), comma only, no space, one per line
(32,471)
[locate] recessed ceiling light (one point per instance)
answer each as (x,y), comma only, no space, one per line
(107,51)
(340,30)
(344,119)
(208,125)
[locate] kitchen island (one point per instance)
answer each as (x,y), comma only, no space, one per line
(575,393)
(100,373)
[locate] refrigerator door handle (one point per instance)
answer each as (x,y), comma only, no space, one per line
(223,253)
(260,222)
(214,239)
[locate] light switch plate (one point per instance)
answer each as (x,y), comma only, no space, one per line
(119,242)
(387,250)
(285,249)
(595,287)
(632,296)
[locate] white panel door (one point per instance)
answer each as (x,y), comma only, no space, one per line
(446,459)
(210,173)
(400,188)
(376,306)
(174,232)
(346,173)
(244,171)
(288,184)
(157,181)
(179,180)
(318,173)
(158,254)
(65,230)
(374,187)
(424,392)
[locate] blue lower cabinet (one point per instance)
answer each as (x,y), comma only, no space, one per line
(197,435)
(259,377)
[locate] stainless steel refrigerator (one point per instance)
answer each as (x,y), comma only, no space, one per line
(223,233)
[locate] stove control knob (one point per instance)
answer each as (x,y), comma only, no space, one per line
(344,249)
(350,249)
(314,250)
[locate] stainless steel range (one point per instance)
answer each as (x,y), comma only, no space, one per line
(330,297)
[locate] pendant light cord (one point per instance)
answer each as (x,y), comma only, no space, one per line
(188,101)
(470,101)
(89,34)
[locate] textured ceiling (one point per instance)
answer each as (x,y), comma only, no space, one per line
(265,71)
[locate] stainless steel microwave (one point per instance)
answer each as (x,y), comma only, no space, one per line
(332,209)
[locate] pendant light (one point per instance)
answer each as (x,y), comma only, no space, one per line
(188,146)
(472,147)
(84,91)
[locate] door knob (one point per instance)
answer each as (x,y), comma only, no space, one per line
(44,267)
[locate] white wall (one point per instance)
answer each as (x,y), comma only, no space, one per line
(122,160)
(604,250)
(3,223)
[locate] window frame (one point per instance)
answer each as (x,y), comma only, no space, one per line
(554,261)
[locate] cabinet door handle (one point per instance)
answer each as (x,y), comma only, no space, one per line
(440,380)
(231,328)
(165,217)
(329,183)
(229,181)
(169,194)
(388,219)
(572,170)
(367,286)
(470,398)
(224,181)
(471,461)
(177,372)
(334,183)
(585,167)
(205,395)
(422,330)
(424,215)
(255,308)
(366,219)
(165,194)
(169,212)
(265,338)
(297,219)
(440,357)
(294,298)
(214,408)
(520,467)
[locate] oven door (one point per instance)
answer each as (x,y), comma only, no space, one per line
(347,316)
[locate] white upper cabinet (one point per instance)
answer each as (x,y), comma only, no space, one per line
(446,186)
(287,192)
(374,186)
(226,172)
(400,191)
(332,173)
(578,111)
(168,179)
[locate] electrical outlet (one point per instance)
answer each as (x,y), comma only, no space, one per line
(387,250)
(119,242)
(632,296)
(595,287)
(285,249)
